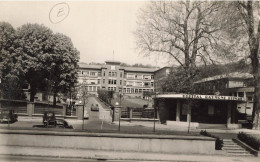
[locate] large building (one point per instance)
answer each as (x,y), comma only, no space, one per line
(112,76)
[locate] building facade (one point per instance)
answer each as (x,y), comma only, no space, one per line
(232,84)
(159,78)
(112,76)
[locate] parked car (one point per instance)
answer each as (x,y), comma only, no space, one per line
(6,115)
(56,123)
(48,117)
(94,107)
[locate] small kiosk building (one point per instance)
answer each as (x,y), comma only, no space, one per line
(182,109)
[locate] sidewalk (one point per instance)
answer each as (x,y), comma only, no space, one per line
(113,155)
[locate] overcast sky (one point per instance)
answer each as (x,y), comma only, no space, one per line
(96,28)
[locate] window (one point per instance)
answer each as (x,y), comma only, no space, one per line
(120,82)
(152,77)
(99,73)
(104,73)
(104,81)
(131,76)
(98,81)
(92,74)
(121,74)
(139,76)
(146,84)
(151,83)
(111,81)
(147,76)
(139,84)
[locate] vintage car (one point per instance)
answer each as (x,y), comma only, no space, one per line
(48,117)
(56,123)
(94,107)
(8,115)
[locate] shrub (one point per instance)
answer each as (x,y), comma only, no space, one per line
(249,140)
(218,143)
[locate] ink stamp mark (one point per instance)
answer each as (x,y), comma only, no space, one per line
(59,12)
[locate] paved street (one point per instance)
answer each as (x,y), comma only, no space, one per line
(100,121)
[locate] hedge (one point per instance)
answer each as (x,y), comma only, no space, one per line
(249,140)
(218,143)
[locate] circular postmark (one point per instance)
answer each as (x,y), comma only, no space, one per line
(59,12)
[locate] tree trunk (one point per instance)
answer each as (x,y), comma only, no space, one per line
(256,107)
(54,98)
(32,94)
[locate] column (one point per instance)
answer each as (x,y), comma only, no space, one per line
(130,113)
(189,113)
(178,110)
(229,113)
(64,108)
(79,111)
(30,108)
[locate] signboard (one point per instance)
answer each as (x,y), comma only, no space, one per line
(235,84)
(204,97)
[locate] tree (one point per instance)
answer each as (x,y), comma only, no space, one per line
(11,83)
(186,31)
(246,26)
(62,64)
(32,48)
(105,95)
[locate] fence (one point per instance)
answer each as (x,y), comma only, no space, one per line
(40,108)
(16,105)
(137,112)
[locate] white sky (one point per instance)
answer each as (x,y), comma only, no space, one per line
(95,27)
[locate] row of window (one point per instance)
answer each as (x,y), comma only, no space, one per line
(90,73)
(92,88)
(139,76)
(137,90)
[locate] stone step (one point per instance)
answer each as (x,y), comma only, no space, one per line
(232,148)
(235,154)
(231,145)
(236,151)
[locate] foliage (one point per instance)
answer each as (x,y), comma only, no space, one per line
(105,95)
(187,31)
(62,64)
(34,55)
(32,47)
(179,81)
(249,140)
(219,142)
(241,19)
(11,84)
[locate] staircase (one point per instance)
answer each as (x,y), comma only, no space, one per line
(233,149)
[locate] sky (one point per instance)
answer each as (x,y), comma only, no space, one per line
(97,28)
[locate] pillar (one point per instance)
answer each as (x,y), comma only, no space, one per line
(130,113)
(79,111)
(178,110)
(229,113)
(30,108)
(64,108)
(189,113)
(117,113)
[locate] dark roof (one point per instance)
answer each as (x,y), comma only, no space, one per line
(87,66)
(132,69)
(140,69)
(235,75)
(113,62)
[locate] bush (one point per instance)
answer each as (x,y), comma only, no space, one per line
(249,140)
(218,143)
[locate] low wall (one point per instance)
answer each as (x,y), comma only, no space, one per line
(112,142)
